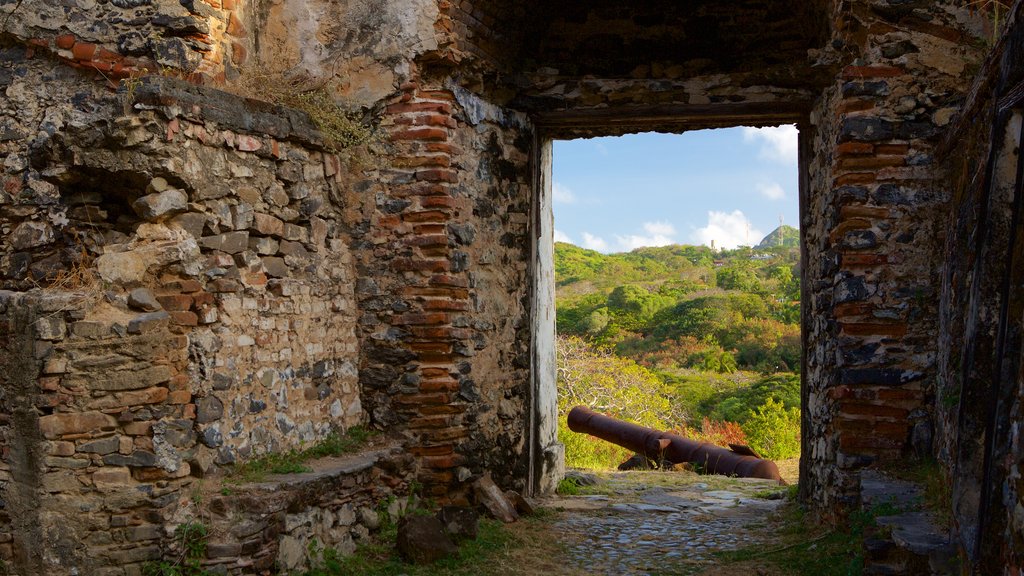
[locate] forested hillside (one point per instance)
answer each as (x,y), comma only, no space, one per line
(683,337)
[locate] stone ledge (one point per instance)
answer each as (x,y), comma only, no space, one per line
(174,98)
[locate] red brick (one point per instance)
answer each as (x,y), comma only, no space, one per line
(865,443)
(870,162)
(442,347)
(108,56)
(420,319)
(172,302)
(428,240)
(425,134)
(436,95)
(854,105)
(429,202)
(855,148)
(97,65)
(421,161)
(239,54)
(434,372)
(892,149)
(443,409)
(235,27)
(179,397)
(854,72)
(437,175)
(858,211)
(864,259)
(899,394)
(442,107)
(439,385)
(83,51)
(445,304)
(446,280)
(856,178)
(184,318)
(432,332)
(428,422)
(443,462)
(426,216)
(847,309)
(65,41)
(436,358)
(411,265)
(879,410)
(428,189)
(442,434)
(425,229)
(874,329)
(440,450)
(203,299)
(427,291)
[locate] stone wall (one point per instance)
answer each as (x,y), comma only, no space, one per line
(194,279)
(978,396)
(443,252)
(873,228)
(185,297)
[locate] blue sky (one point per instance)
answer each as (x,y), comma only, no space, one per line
(617,194)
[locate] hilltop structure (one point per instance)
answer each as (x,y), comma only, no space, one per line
(196,277)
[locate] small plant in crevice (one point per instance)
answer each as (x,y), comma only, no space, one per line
(191,540)
(998,11)
(339,127)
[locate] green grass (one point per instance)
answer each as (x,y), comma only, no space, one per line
(381,559)
(807,551)
(294,461)
(568,487)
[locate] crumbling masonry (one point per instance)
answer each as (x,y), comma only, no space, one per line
(194,278)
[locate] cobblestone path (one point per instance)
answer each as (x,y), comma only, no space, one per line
(663,523)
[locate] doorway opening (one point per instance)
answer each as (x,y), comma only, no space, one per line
(677,289)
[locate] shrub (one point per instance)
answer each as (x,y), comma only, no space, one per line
(773,431)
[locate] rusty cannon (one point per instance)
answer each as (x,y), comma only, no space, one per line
(656,445)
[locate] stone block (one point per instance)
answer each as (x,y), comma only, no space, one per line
(423,540)
(56,425)
(138,458)
(209,409)
(161,205)
(102,446)
(91,329)
(148,322)
(31,234)
(230,242)
(276,267)
(50,328)
(268,225)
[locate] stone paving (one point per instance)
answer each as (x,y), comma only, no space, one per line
(648,523)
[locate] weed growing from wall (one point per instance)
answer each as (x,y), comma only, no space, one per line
(340,128)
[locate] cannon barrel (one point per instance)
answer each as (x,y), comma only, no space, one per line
(676,449)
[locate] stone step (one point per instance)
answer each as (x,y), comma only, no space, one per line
(907,543)
(269,525)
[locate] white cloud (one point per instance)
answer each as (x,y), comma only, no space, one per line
(592,242)
(772,191)
(728,230)
(562,195)
(562,237)
(601,148)
(657,234)
(778,143)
